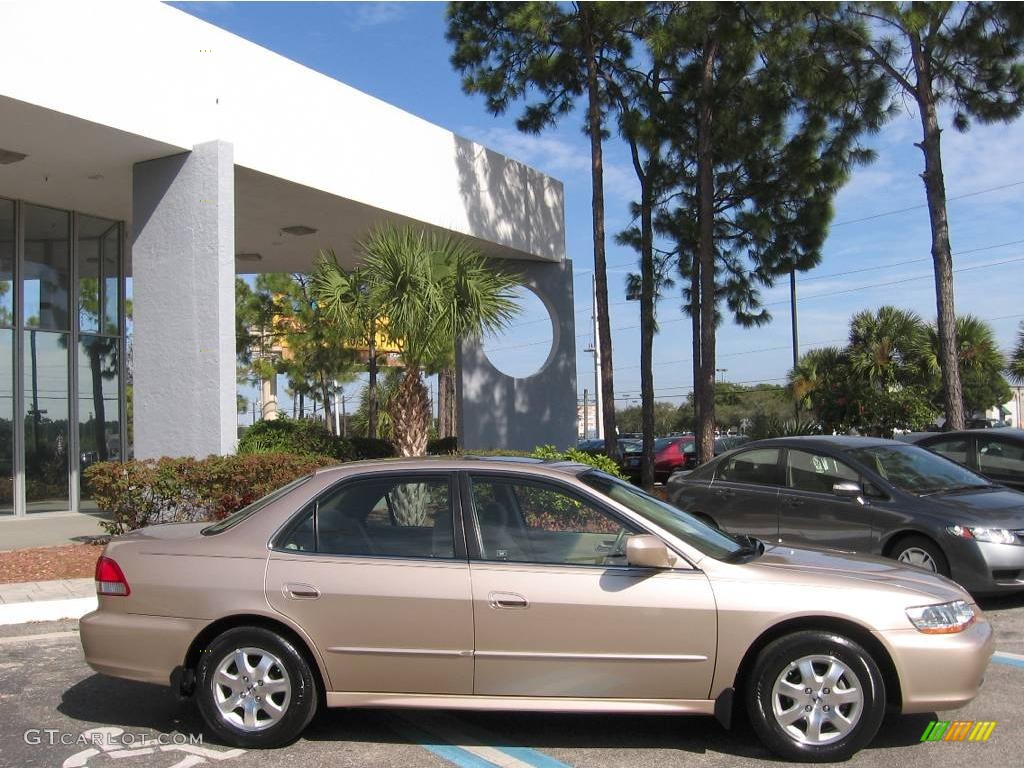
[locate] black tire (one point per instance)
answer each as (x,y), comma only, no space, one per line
(922,544)
(297,707)
(794,742)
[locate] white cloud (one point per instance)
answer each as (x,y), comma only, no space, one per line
(366,15)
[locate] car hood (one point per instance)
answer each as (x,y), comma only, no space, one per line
(997,508)
(833,566)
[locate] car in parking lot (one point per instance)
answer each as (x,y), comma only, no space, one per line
(867,495)
(998,454)
(519,585)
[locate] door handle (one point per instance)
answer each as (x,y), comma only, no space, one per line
(507,600)
(301,591)
(794,502)
(726,494)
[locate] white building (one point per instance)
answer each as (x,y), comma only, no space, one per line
(136,140)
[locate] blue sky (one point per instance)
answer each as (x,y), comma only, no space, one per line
(397,52)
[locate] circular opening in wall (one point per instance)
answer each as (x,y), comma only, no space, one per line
(522,348)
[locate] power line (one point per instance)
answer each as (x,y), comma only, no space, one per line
(812,297)
(895,211)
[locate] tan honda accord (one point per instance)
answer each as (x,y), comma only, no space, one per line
(511,585)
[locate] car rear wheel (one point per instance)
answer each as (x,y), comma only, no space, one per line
(815,697)
(921,553)
(255,689)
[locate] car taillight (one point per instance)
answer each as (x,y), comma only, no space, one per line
(109,578)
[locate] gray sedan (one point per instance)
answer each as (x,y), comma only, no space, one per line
(865,495)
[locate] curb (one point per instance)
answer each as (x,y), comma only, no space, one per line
(46,610)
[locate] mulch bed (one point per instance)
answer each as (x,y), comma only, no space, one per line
(70,561)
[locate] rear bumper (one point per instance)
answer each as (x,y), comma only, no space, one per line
(136,647)
(939,672)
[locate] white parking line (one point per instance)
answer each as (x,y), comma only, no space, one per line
(16,639)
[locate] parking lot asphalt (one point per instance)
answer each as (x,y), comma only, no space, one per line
(57,712)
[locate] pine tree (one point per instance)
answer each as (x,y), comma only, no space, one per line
(552,55)
(966,56)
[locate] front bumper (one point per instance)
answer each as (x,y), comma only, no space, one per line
(940,672)
(136,647)
(986,569)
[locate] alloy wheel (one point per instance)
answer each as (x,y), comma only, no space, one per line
(251,689)
(817,699)
(918,558)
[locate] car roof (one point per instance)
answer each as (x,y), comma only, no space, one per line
(466,462)
(1014,433)
(823,441)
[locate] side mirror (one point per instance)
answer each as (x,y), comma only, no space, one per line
(648,551)
(847,490)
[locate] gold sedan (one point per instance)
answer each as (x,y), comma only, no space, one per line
(518,585)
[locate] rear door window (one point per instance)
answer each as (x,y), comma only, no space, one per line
(759,466)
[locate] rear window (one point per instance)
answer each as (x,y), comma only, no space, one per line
(246,512)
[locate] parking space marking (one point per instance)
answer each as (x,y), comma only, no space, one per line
(458,755)
(480,744)
(16,639)
(1009,659)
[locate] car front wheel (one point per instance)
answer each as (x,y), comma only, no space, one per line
(255,689)
(815,697)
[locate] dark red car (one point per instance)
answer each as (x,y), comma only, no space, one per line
(680,452)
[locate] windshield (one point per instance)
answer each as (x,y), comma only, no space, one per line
(915,470)
(245,512)
(710,541)
(663,442)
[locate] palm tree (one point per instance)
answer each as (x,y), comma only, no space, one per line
(979,359)
(887,347)
(433,290)
(345,297)
(1016,366)
(812,374)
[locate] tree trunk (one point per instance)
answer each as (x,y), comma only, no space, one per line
(446,403)
(410,415)
(695,334)
(371,394)
(604,334)
(98,403)
(706,254)
(646,316)
(942,258)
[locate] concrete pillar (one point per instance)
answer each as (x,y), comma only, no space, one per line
(498,411)
(268,397)
(183,269)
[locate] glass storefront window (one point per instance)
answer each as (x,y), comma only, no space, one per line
(47,269)
(99,258)
(6,421)
(6,263)
(46,420)
(6,357)
(99,405)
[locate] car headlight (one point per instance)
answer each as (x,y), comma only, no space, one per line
(990,535)
(942,619)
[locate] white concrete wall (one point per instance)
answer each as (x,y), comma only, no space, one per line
(152,70)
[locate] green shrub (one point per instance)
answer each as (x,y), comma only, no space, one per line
(368,448)
(443,446)
(140,493)
(281,435)
(598,461)
(309,438)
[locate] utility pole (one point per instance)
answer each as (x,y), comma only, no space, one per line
(796,336)
(586,415)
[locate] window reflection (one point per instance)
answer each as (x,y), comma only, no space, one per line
(6,264)
(98,403)
(46,420)
(99,251)
(47,273)
(6,421)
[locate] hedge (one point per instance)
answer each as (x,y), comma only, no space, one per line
(140,493)
(310,438)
